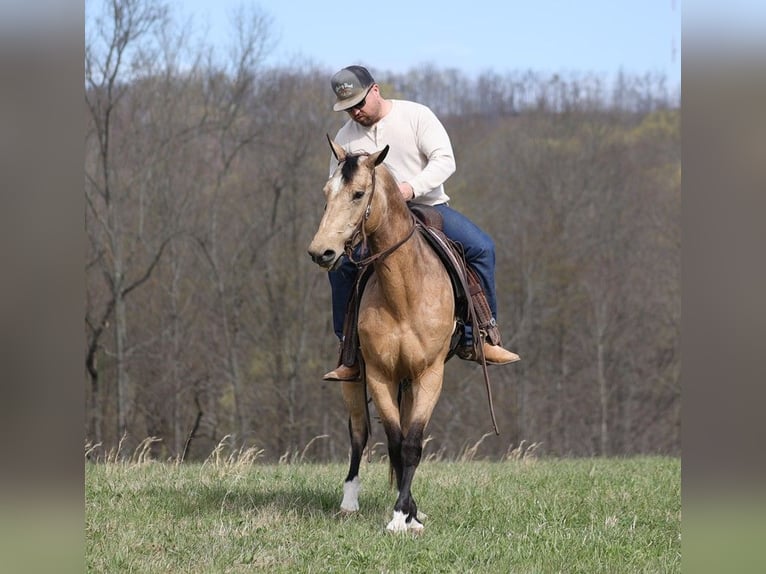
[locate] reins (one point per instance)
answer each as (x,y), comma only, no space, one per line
(458,262)
(366,261)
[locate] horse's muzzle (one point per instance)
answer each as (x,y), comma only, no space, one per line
(327,259)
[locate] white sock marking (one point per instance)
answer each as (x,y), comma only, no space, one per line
(351,495)
(398,523)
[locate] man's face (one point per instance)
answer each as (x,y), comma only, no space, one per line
(367,112)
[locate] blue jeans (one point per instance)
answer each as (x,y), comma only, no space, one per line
(479,253)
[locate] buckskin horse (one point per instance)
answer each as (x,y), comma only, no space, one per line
(405,322)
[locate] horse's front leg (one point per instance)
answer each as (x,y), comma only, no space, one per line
(417,406)
(384,393)
(354,397)
(405,509)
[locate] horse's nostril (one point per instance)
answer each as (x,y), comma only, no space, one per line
(326,257)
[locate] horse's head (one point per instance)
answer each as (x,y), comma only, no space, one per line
(348,195)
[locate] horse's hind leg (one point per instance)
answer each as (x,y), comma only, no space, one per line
(356,403)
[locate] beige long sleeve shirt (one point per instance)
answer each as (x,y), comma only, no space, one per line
(420,150)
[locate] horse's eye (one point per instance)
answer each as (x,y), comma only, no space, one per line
(358,195)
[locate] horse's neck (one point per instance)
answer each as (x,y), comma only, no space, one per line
(394,224)
(393,219)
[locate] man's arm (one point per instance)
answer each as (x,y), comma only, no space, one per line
(434,143)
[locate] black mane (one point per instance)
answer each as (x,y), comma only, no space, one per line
(349,167)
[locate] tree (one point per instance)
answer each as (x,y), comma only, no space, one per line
(206,318)
(112,213)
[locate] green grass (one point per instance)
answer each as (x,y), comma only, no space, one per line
(524,516)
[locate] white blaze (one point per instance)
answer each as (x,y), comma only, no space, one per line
(335,183)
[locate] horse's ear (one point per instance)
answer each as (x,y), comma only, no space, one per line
(337,151)
(378,157)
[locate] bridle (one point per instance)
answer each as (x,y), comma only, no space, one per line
(360,230)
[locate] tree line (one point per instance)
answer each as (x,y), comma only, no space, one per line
(205,318)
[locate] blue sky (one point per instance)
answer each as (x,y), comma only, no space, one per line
(563,36)
(598,36)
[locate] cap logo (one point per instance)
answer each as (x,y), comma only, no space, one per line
(343,90)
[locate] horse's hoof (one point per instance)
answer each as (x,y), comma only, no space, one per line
(415,526)
(398,523)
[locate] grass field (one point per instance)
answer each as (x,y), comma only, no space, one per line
(520,516)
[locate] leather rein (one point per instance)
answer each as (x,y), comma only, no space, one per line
(360,230)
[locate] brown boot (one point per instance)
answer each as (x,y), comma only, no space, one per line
(343,373)
(493,354)
(496,355)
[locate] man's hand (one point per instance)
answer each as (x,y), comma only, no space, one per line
(406,191)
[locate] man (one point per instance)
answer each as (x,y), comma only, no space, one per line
(421,160)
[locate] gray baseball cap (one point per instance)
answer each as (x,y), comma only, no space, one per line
(351,85)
